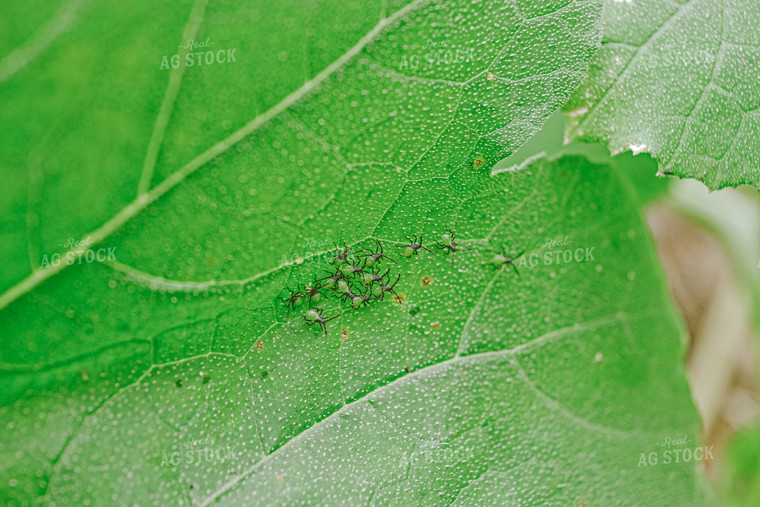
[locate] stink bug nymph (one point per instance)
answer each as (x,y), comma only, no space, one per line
(343,287)
(329,282)
(343,254)
(292,300)
(350,269)
(413,247)
(314,316)
(379,290)
(503,259)
(312,291)
(363,299)
(448,243)
(369,278)
(377,255)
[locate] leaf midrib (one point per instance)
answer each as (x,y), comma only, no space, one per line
(557,333)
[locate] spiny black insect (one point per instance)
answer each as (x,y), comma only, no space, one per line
(413,247)
(292,300)
(449,244)
(330,282)
(379,290)
(313,292)
(315,316)
(503,259)
(344,286)
(368,278)
(376,255)
(363,299)
(344,253)
(350,269)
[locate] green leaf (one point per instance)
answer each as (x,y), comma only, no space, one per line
(550,142)
(566,372)
(678,80)
(474,385)
(97,131)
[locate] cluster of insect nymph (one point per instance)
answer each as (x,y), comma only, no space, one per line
(359,277)
(356,277)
